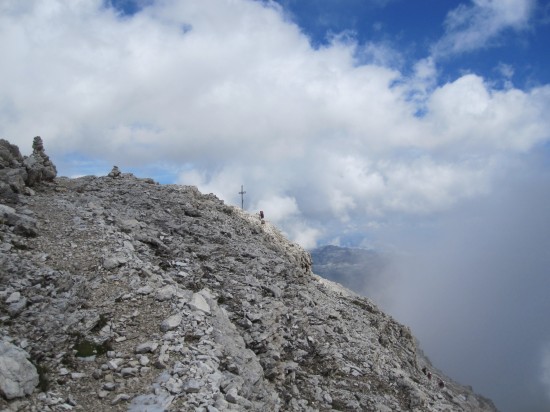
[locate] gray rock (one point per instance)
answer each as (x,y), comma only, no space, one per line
(128,372)
(199,303)
(18,377)
(109,386)
(120,398)
(113,261)
(232,395)
(23,225)
(145,290)
(174,386)
(192,386)
(166,292)
(171,323)
(147,347)
(102,394)
(10,156)
(13,181)
(14,297)
(17,307)
(7,213)
(144,360)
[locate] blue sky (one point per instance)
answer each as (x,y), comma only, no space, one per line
(420,129)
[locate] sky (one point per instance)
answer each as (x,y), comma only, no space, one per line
(420,129)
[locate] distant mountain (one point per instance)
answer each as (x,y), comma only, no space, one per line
(355,268)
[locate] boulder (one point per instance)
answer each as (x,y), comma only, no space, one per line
(10,156)
(199,303)
(171,322)
(18,377)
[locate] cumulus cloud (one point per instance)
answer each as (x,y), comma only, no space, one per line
(474,26)
(232,92)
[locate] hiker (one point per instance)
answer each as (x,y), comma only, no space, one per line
(441,384)
(261,214)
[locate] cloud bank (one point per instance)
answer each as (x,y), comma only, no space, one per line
(233,92)
(475,290)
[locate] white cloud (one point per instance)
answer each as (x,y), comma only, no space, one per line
(470,27)
(306,237)
(506,70)
(469,113)
(232,92)
(278,208)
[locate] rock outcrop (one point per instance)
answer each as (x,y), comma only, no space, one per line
(134,296)
(18,174)
(38,165)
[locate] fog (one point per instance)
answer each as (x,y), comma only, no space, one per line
(475,290)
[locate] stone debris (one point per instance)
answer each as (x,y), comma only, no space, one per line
(120,294)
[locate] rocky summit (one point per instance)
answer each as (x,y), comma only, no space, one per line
(121,294)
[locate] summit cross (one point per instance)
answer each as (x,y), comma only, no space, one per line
(242,192)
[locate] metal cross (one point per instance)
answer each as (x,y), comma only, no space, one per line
(242,192)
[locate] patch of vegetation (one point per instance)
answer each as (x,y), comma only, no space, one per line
(43,371)
(68,361)
(190,338)
(364,305)
(86,348)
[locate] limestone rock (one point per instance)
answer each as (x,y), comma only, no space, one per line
(18,173)
(18,377)
(198,302)
(23,225)
(38,165)
(171,323)
(147,347)
(9,155)
(166,292)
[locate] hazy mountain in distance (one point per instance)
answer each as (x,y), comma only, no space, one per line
(355,268)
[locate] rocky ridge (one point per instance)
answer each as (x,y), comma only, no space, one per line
(120,294)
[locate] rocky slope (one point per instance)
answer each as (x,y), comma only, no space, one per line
(117,293)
